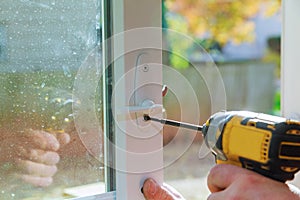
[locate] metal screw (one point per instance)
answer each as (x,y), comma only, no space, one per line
(145,67)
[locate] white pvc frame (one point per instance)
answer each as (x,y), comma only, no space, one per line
(138,79)
(290,70)
(290,82)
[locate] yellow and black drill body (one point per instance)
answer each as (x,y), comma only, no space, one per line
(262,143)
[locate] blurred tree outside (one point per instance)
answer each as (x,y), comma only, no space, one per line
(213,22)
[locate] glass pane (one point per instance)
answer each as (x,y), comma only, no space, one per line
(246,52)
(51,101)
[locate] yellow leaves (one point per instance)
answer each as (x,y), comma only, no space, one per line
(223,20)
(272,7)
(243,32)
(249,8)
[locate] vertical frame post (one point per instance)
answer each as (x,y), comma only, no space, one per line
(109,150)
(290,70)
(137,58)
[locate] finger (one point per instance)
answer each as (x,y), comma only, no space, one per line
(149,189)
(222,175)
(42,140)
(216,196)
(37,181)
(63,139)
(41,156)
(37,169)
(153,191)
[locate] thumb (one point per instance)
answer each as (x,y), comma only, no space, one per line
(150,189)
(154,191)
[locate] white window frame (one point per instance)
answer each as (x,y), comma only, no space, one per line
(290,82)
(132,20)
(290,70)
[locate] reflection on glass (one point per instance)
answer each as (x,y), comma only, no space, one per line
(43,45)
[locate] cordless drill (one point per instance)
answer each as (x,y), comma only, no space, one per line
(266,144)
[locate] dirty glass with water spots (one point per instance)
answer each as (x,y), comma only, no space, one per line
(50,99)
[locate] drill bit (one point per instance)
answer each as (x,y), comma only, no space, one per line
(174,123)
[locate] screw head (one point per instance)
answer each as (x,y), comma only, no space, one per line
(145,67)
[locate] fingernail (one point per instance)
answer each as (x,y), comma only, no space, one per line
(150,186)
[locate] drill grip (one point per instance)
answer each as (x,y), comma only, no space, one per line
(262,143)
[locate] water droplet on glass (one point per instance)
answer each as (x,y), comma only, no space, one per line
(67,71)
